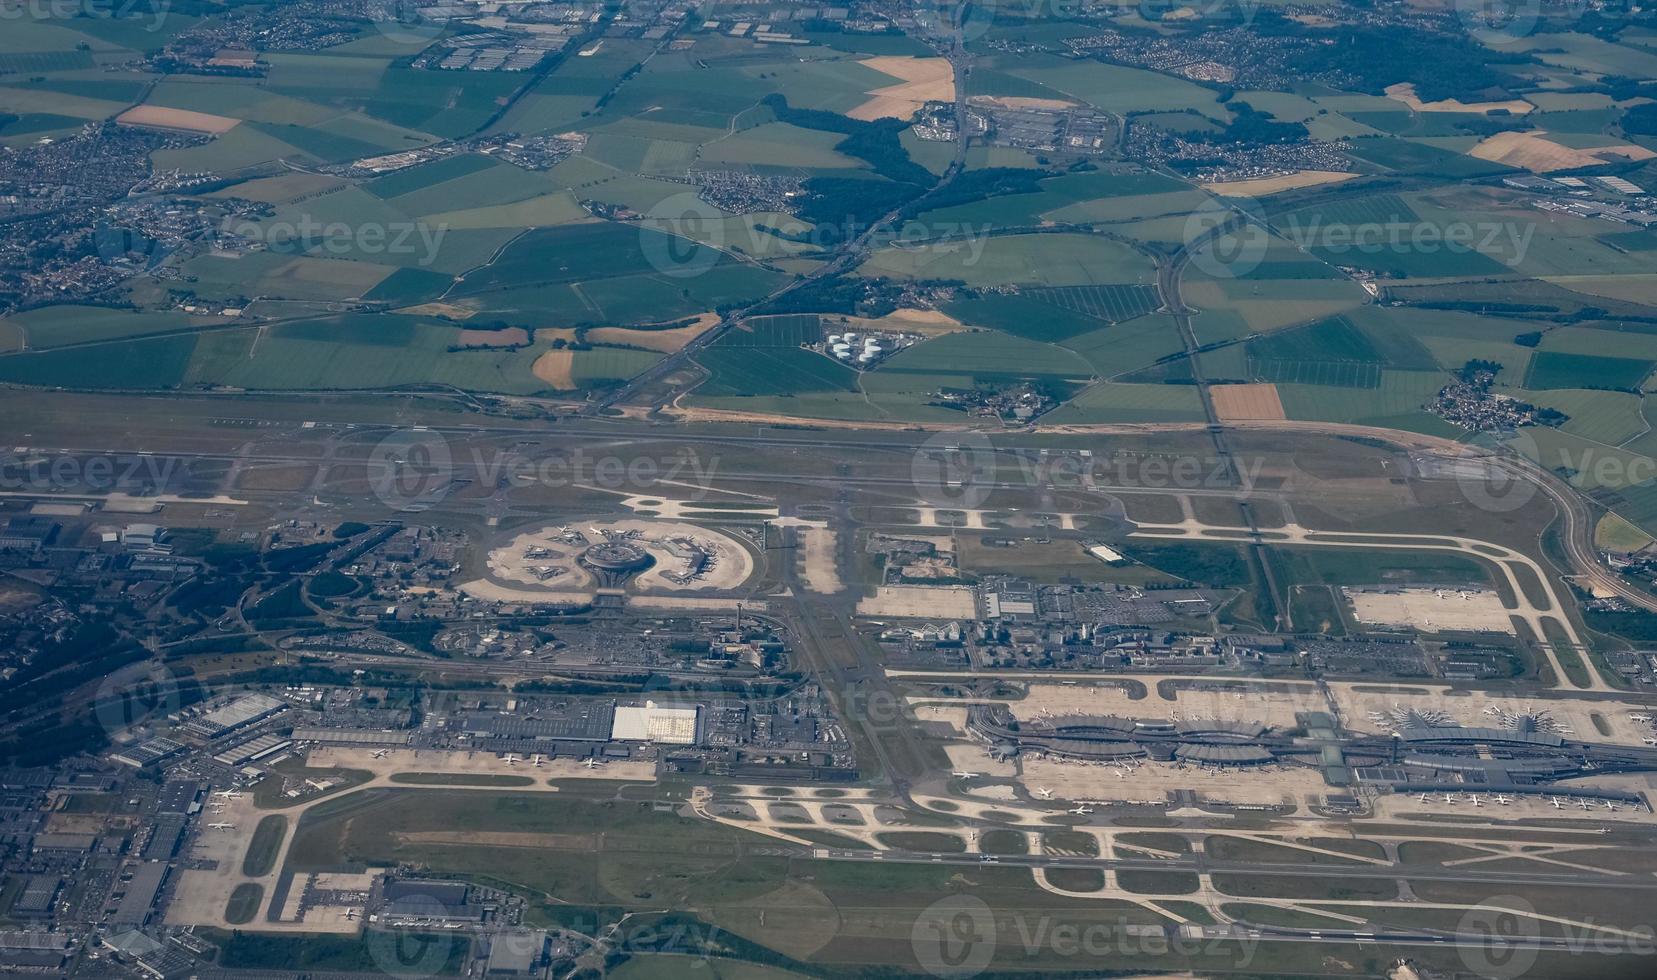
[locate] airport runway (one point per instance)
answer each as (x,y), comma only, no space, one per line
(1201,864)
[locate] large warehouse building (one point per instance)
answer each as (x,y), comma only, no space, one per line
(663,723)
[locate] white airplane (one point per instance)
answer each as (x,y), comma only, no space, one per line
(510,758)
(593,763)
(1609,805)
(1043,793)
(963,774)
(1650,740)
(350,915)
(1558,803)
(1584,804)
(1450,798)
(227,794)
(379,753)
(1504,801)
(1478,801)
(1424,798)
(1639,717)
(537,760)
(222,826)
(1082,811)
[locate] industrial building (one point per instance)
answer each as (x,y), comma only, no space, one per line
(663,724)
(233,715)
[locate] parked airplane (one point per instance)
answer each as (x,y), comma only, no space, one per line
(1082,811)
(227,794)
(963,774)
(593,763)
(511,758)
(1584,804)
(537,760)
(222,826)
(1043,793)
(379,753)
(1558,803)
(1504,801)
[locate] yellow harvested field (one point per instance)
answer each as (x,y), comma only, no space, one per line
(509,337)
(1235,403)
(159,117)
(927,323)
(1262,186)
(665,341)
(554,367)
(1529,151)
(1405,92)
(446,311)
(924,80)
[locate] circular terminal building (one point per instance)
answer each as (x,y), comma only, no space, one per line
(614,562)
